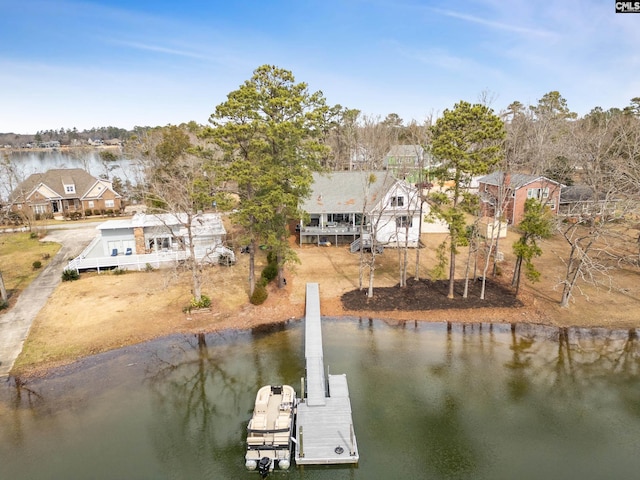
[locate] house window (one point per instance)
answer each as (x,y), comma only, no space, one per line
(538,193)
(338,217)
(159,243)
(109,203)
(404,221)
(70,189)
(397,201)
(90,203)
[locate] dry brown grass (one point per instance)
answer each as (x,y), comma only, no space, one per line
(106,311)
(17,254)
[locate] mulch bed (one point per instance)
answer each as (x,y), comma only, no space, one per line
(431,295)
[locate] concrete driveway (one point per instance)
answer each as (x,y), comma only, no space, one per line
(15,323)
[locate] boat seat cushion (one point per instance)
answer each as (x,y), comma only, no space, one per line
(259,422)
(253,440)
(282,421)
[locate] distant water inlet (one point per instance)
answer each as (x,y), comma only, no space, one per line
(25,163)
(474,401)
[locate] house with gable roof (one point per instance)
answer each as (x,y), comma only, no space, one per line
(516,188)
(344,205)
(64,192)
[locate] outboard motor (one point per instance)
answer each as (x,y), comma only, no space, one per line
(263,466)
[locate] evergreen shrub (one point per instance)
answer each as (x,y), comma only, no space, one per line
(260,294)
(69,275)
(270,272)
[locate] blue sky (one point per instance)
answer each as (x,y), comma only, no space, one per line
(123,63)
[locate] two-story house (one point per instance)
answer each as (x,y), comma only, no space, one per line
(511,190)
(345,205)
(64,192)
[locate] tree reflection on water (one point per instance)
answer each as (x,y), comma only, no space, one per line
(196,403)
(428,400)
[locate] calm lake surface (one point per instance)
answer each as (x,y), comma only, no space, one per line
(469,402)
(28,162)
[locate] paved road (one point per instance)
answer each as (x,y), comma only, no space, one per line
(15,323)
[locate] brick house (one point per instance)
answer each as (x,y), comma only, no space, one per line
(517,188)
(64,192)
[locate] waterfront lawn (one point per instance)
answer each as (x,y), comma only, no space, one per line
(18,252)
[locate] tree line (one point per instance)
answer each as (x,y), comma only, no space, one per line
(257,155)
(262,145)
(69,136)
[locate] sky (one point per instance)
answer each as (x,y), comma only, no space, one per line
(85,64)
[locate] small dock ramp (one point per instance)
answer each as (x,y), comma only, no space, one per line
(324,430)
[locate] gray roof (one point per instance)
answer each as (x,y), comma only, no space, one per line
(202,223)
(411,151)
(517,180)
(344,192)
(56,179)
(577,193)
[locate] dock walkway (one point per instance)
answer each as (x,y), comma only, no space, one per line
(324,431)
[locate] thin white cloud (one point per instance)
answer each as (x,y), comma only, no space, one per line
(442,59)
(161,49)
(497,25)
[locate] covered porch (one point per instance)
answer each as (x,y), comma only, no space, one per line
(326,229)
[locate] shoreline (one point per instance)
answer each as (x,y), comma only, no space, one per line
(251,317)
(62,148)
(103,312)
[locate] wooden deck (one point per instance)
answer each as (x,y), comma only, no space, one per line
(324,430)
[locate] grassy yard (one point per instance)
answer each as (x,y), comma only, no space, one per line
(18,253)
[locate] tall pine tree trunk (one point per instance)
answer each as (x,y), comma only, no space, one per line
(252,266)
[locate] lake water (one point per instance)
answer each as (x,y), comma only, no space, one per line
(465,402)
(27,162)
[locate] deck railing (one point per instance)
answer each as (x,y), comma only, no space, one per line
(127,262)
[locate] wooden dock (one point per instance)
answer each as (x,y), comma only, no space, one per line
(324,430)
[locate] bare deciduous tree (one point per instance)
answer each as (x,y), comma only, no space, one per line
(3,291)
(594,234)
(178,185)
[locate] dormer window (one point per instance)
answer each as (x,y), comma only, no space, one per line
(70,188)
(397,201)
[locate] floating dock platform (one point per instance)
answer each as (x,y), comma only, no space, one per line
(324,430)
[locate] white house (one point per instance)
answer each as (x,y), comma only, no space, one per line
(343,205)
(153,239)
